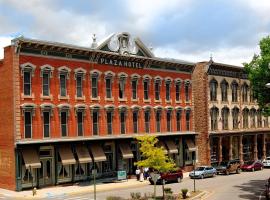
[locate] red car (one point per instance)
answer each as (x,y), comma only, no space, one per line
(163,178)
(252,166)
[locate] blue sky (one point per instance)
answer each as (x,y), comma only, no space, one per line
(190,30)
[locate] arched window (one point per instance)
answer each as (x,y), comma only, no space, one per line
(213,90)
(259,118)
(244,92)
(225,115)
(224,90)
(245,117)
(234,87)
(214,118)
(235,115)
(252,114)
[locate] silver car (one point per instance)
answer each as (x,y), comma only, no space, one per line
(202,172)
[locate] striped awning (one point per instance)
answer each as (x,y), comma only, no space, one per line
(191,145)
(97,153)
(66,155)
(171,146)
(31,158)
(83,154)
(126,150)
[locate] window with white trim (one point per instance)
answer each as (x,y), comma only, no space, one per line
(178,120)
(122,85)
(64,122)
(45,84)
(95,121)
(157,89)
(79,85)
(169,120)
(134,84)
(109,122)
(178,90)
(46,124)
(63,77)
(122,121)
(27,79)
(147,120)
(187,86)
(188,120)
(146,89)
(28,124)
(94,81)
(168,89)
(225,116)
(158,121)
(80,127)
(135,121)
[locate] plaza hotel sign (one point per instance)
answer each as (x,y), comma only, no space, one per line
(120,63)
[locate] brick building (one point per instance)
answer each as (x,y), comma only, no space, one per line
(229,123)
(66,109)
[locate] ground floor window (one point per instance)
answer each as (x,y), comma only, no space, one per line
(27,176)
(214,149)
(235,148)
(81,169)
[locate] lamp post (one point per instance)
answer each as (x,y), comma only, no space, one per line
(194,166)
(94,172)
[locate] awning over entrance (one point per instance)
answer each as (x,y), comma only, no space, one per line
(161,144)
(126,151)
(191,145)
(97,153)
(31,158)
(83,154)
(171,146)
(66,156)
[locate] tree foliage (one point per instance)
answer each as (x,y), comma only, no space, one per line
(259,75)
(152,156)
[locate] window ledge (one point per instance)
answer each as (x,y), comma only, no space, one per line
(224,102)
(147,100)
(177,102)
(135,100)
(109,99)
(32,96)
(122,99)
(168,101)
(95,99)
(46,97)
(63,97)
(80,98)
(157,101)
(188,102)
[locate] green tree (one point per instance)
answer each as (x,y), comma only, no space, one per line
(153,156)
(259,75)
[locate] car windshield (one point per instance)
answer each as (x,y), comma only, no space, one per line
(224,163)
(199,168)
(249,162)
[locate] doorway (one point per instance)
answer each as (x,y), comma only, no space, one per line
(45,172)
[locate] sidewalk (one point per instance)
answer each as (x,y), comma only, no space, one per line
(63,190)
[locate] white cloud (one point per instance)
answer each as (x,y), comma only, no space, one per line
(4,41)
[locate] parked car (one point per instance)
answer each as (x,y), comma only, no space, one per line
(203,171)
(266,162)
(267,189)
(252,166)
(163,178)
(227,167)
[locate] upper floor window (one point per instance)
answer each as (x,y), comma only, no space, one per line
(47,112)
(168,82)
(135,116)
(46,72)
(187,92)
(27,71)
(134,85)
(122,84)
(251,95)
(63,76)
(178,120)
(252,114)
(158,119)
(123,113)
(94,83)
(169,120)
(224,90)
(235,115)
(177,90)
(225,115)
(245,118)
(157,88)
(234,86)
(108,83)
(214,118)
(28,111)
(245,92)
(259,118)
(188,113)
(80,113)
(95,109)
(64,113)
(109,115)
(213,90)
(146,82)
(79,77)
(147,120)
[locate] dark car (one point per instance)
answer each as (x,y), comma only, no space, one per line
(252,166)
(171,176)
(227,167)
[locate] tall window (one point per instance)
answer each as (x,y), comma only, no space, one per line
(63,85)
(178,120)
(95,121)
(146,89)
(169,120)
(251,95)
(225,116)
(234,91)
(157,89)
(259,118)
(245,118)
(134,83)
(158,121)
(64,123)
(187,85)
(188,120)
(252,118)
(28,124)
(147,121)
(109,122)
(123,121)
(108,88)
(79,85)
(168,90)
(177,91)
(235,115)
(135,121)
(122,82)
(213,90)
(224,90)
(245,92)
(46,84)
(94,80)
(27,83)
(80,122)
(46,124)
(214,118)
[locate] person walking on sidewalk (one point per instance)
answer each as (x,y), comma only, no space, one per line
(141,175)
(137,172)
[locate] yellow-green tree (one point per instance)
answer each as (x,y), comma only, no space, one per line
(153,156)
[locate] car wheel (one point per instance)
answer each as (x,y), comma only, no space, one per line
(217,173)
(179,180)
(163,182)
(227,172)
(214,174)
(253,169)
(261,168)
(238,171)
(202,176)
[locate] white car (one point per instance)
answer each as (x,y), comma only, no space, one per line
(266,162)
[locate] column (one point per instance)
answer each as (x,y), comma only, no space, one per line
(241,148)
(264,146)
(255,148)
(220,149)
(230,147)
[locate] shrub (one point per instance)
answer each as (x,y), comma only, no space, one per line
(114,198)
(184,193)
(168,191)
(135,195)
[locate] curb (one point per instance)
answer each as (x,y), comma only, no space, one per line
(201,195)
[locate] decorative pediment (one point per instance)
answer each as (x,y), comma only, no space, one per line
(124,44)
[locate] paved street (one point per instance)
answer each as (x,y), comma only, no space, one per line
(247,185)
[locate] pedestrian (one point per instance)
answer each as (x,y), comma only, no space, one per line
(141,175)
(137,172)
(146,173)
